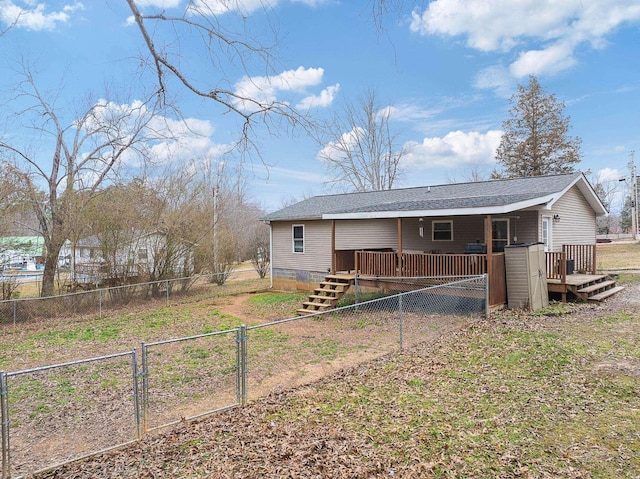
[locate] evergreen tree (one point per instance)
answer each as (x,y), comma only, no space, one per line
(535,140)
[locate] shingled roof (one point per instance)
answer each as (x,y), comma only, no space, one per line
(483,197)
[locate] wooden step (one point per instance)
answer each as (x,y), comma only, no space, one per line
(320,306)
(330,285)
(322,297)
(597,286)
(606,294)
(340,278)
(337,291)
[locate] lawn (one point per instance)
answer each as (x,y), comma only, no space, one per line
(618,256)
(550,394)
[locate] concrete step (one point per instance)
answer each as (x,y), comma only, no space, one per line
(606,294)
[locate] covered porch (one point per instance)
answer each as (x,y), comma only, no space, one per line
(397,262)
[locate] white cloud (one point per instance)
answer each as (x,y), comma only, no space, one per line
(265,88)
(550,60)
(335,150)
(325,98)
(34,16)
(497,78)
(159,3)
(455,149)
(609,174)
(556,28)
(245,7)
(163,139)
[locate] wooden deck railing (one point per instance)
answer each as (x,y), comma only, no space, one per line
(556,265)
(390,264)
(581,256)
(374,263)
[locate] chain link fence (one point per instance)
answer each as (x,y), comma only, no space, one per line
(60,413)
(104,301)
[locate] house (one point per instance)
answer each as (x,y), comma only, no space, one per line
(450,229)
(22,253)
(128,255)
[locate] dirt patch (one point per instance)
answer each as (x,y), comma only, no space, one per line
(621,367)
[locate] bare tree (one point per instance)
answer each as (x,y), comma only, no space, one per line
(363,152)
(223,48)
(535,139)
(86,153)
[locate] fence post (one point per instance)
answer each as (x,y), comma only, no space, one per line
(167,285)
(485,278)
(4,406)
(400,317)
(15,312)
(136,397)
(100,303)
(145,389)
(242,364)
(356,286)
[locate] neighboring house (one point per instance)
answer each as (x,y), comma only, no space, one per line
(22,253)
(376,232)
(126,256)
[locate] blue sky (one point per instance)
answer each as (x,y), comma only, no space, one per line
(446,68)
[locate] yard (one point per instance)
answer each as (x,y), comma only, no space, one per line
(550,394)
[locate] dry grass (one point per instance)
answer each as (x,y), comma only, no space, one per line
(618,256)
(551,394)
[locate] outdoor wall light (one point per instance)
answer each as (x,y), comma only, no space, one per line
(421,227)
(556,218)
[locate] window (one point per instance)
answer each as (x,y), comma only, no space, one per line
(143,254)
(298,238)
(442,230)
(499,234)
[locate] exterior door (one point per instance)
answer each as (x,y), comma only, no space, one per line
(546,233)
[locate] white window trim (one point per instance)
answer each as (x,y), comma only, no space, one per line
(293,239)
(433,229)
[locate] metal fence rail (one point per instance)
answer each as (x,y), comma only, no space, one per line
(98,302)
(189,377)
(47,411)
(50,413)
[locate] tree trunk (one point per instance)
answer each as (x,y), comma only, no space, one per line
(50,269)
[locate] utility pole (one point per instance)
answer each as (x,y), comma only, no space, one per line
(634,186)
(215,224)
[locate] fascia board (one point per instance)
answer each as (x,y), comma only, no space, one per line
(492,210)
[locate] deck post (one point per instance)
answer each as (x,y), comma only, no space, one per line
(488,239)
(333,246)
(400,266)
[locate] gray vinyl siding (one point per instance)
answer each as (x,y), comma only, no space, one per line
(577,223)
(317,246)
(466,229)
(372,234)
(526,227)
